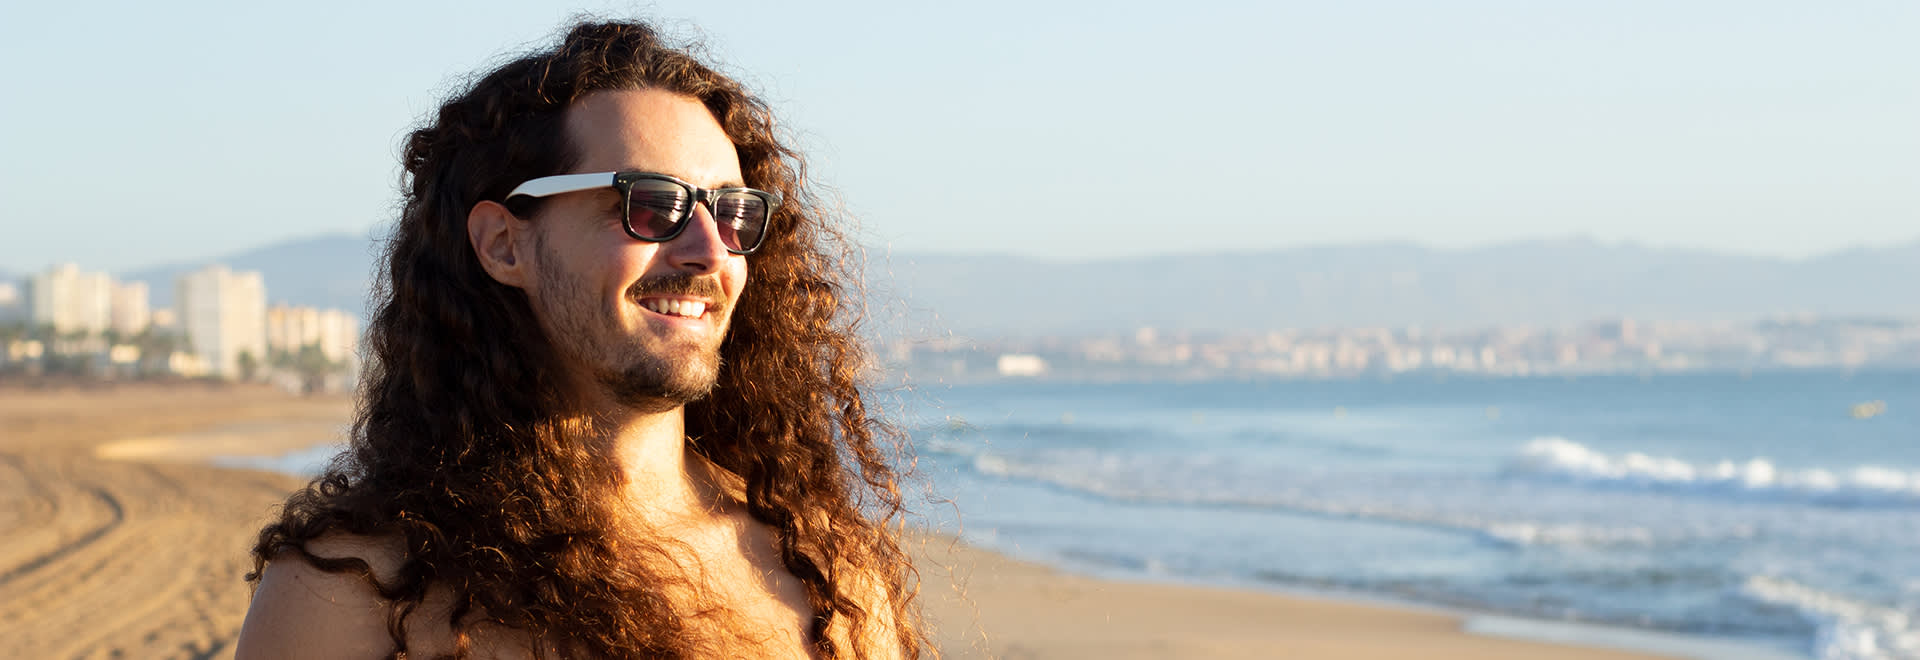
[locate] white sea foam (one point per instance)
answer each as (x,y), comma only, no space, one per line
(1562,534)
(1196,480)
(1560,458)
(1849,629)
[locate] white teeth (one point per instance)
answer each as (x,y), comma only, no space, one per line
(687,308)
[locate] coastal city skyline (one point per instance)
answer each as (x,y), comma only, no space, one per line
(69,322)
(226,330)
(1620,346)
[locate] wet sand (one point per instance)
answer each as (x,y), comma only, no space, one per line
(118,540)
(131,558)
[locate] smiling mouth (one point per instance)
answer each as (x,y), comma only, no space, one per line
(690,309)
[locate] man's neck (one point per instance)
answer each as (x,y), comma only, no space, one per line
(664,479)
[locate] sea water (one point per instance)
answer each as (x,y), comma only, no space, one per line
(1769,506)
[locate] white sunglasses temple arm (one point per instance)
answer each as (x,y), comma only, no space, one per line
(564,183)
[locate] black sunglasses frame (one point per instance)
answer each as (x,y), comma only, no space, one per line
(625,181)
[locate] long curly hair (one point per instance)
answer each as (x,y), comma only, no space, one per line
(462,446)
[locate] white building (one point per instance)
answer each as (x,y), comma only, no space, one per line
(165,319)
(70,300)
(223,315)
(1021,365)
(130,310)
(290,329)
(10,304)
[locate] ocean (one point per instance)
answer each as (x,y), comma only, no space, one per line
(1779,508)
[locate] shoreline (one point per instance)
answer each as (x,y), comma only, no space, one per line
(140,489)
(1478,622)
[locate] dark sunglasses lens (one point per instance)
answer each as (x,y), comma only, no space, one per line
(742,217)
(656,208)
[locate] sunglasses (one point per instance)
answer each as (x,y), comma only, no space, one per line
(657,207)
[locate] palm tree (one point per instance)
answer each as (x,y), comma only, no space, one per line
(155,348)
(249,365)
(314,367)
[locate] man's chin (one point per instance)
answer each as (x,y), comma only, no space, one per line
(658,387)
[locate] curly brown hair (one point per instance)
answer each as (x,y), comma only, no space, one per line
(461,446)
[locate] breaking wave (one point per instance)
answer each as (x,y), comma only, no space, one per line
(1560,459)
(1849,629)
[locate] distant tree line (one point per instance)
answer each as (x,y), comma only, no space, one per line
(83,356)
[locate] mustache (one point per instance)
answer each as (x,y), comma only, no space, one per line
(681,284)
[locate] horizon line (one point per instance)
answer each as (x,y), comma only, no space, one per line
(872,250)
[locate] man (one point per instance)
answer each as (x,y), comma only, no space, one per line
(612,407)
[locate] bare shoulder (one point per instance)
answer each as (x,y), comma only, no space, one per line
(301,611)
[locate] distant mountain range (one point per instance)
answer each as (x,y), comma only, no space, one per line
(1536,282)
(1389,284)
(332,271)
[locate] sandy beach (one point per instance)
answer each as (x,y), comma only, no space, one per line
(117,539)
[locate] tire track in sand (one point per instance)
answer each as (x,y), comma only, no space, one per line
(146,577)
(117,559)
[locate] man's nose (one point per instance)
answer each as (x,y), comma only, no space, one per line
(698,248)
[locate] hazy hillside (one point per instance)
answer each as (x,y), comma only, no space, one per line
(1552,282)
(324,271)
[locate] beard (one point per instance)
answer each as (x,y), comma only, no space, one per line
(642,374)
(667,377)
(652,384)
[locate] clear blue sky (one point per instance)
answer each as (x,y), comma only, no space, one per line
(143,133)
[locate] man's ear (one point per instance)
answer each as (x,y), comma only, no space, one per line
(501,242)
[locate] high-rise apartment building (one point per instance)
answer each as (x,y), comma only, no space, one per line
(223,315)
(70,300)
(11,308)
(290,329)
(130,309)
